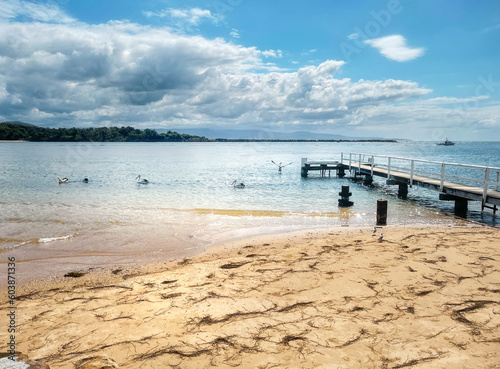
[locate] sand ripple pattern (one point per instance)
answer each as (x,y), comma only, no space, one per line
(421,298)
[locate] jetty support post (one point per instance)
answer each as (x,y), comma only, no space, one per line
(461,204)
(324,168)
(403,188)
(461,207)
(381,212)
(368,181)
(403,191)
(303,167)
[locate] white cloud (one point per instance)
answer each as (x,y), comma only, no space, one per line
(189,17)
(272,53)
(49,12)
(125,73)
(91,74)
(234,33)
(394,47)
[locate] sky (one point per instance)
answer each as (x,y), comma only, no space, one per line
(420,70)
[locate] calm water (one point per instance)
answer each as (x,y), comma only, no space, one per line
(189,202)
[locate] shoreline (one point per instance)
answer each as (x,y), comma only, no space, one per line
(80,253)
(224,241)
(310,298)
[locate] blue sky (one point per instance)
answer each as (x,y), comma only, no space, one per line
(421,70)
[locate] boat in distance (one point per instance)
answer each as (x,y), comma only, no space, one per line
(446,143)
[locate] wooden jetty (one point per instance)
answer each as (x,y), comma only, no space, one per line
(481,185)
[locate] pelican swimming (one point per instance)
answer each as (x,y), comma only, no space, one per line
(63,180)
(280,165)
(238,184)
(143,181)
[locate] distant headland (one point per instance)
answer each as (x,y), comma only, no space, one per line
(19,131)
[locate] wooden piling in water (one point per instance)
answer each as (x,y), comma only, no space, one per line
(381,212)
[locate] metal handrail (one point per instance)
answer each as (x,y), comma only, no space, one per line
(430,161)
(486,182)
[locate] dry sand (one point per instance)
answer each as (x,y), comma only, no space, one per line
(425,297)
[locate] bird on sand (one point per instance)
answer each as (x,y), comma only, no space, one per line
(374,230)
(380,237)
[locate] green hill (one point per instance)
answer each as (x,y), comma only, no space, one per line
(29,132)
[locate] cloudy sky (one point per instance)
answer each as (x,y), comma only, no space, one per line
(422,69)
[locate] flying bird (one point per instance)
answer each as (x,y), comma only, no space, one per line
(280,165)
(63,180)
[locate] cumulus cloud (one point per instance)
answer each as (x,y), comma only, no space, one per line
(20,9)
(394,47)
(125,73)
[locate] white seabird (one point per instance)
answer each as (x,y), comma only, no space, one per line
(280,165)
(238,184)
(143,181)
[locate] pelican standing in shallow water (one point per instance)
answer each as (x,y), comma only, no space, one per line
(143,181)
(280,165)
(238,184)
(63,180)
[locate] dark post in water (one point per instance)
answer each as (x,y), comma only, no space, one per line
(381,212)
(345,194)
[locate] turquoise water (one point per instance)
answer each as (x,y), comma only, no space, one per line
(189,202)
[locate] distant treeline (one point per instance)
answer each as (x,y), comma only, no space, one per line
(294,140)
(28,132)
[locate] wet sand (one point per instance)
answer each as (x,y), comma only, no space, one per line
(422,297)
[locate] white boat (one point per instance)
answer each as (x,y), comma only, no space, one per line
(446,143)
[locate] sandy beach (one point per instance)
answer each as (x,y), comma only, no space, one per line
(422,297)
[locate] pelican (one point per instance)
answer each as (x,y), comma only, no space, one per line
(280,165)
(238,184)
(143,181)
(63,180)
